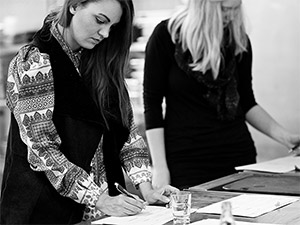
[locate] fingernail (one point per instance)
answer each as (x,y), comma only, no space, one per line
(166,199)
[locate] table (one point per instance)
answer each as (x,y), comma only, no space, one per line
(287,183)
(203,195)
(210,192)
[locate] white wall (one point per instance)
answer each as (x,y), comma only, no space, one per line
(18,16)
(274,29)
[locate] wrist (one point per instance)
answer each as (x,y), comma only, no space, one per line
(160,165)
(280,134)
(284,139)
(145,187)
(101,201)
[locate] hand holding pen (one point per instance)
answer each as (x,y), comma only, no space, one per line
(121,205)
(292,141)
(293,149)
(153,196)
(127,193)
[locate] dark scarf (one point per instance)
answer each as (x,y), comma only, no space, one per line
(220,93)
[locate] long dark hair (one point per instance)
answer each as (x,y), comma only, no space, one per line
(105,66)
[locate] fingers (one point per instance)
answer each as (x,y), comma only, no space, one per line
(296,152)
(295,149)
(162,194)
(131,206)
(172,189)
(168,189)
(120,205)
(136,203)
(294,143)
(161,198)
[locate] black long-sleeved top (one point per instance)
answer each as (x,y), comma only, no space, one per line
(199,146)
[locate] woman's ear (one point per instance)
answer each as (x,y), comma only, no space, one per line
(73,9)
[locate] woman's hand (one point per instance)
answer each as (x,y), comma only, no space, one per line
(263,122)
(120,205)
(293,143)
(160,177)
(157,195)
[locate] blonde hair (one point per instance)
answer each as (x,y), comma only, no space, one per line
(199,29)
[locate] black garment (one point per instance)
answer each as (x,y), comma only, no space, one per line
(199,146)
(220,93)
(27,197)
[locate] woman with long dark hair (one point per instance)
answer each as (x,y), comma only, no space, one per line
(72,130)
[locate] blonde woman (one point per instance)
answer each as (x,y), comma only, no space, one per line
(200,61)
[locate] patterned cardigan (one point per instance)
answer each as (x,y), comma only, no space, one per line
(30,97)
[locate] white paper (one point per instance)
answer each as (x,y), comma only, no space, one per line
(152,215)
(280,165)
(251,205)
(217,222)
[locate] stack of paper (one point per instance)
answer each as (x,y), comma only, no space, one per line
(152,215)
(217,222)
(251,205)
(280,165)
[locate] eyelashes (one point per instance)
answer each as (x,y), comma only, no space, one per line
(99,21)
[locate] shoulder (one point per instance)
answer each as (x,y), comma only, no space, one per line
(29,59)
(161,29)
(160,37)
(162,25)
(32,55)
(29,67)
(28,70)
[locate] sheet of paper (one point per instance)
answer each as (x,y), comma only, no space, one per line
(280,165)
(152,215)
(217,222)
(251,205)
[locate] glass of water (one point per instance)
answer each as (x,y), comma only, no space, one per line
(181,207)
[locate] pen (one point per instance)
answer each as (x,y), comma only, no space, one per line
(125,192)
(294,148)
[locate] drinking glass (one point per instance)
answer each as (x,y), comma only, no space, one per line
(181,207)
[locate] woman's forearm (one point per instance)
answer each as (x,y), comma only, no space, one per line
(263,122)
(156,143)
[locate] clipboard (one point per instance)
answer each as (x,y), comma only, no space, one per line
(271,184)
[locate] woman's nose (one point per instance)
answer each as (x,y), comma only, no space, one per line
(104,32)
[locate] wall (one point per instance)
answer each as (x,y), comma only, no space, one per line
(18,16)
(273,26)
(274,30)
